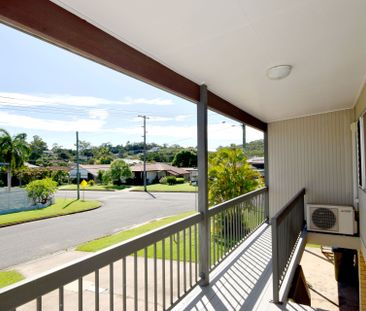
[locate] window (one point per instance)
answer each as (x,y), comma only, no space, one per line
(361,152)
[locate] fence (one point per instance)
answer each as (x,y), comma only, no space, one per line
(15,200)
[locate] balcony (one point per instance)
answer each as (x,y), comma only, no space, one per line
(244,259)
(230,256)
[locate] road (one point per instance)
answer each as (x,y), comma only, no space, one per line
(120,210)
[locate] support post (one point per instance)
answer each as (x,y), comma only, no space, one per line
(204,226)
(77,167)
(266,175)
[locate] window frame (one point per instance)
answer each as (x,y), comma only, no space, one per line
(361,152)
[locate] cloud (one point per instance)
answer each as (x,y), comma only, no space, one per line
(100,114)
(51,125)
(218,133)
(28,100)
(154,101)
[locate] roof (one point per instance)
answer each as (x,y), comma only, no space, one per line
(258,160)
(158,167)
(190,169)
(324,41)
(29,165)
(95,168)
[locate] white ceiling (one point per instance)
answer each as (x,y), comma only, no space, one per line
(229,45)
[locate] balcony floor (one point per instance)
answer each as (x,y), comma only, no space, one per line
(243,281)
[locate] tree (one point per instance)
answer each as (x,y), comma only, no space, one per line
(185,158)
(230,175)
(37,147)
(14,151)
(85,149)
(107,177)
(120,171)
(41,191)
(255,148)
(104,154)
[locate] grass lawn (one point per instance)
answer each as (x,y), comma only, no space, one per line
(95,187)
(60,208)
(313,245)
(9,277)
(110,240)
(186,187)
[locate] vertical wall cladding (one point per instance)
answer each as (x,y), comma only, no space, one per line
(314,152)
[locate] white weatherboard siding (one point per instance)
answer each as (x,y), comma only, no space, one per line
(312,152)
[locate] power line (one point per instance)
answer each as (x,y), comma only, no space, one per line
(83,107)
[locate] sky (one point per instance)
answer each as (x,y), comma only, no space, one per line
(52,93)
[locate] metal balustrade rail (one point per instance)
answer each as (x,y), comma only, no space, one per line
(287,226)
(150,262)
(232,221)
(150,272)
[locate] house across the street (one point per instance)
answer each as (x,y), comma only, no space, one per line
(258,164)
(89,171)
(155,171)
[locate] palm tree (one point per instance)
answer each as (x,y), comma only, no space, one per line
(14,151)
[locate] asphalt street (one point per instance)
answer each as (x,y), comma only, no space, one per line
(120,210)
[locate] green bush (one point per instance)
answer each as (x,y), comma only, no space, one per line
(100,176)
(60,176)
(107,177)
(180,180)
(171,180)
(163,180)
(41,191)
(91,182)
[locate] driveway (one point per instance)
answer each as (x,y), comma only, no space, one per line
(120,210)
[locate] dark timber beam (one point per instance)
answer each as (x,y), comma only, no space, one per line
(50,22)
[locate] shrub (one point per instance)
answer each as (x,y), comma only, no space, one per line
(60,176)
(100,176)
(91,182)
(107,177)
(171,180)
(180,180)
(120,171)
(41,191)
(163,180)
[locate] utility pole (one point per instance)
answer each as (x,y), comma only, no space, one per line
(77,166)
(144,117)
(244,137)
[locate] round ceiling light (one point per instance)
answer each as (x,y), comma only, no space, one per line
(279,72)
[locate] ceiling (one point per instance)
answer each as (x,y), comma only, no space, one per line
(229,45)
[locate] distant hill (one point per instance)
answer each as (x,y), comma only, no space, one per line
(255,148)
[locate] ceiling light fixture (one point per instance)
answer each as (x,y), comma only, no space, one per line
(279,72)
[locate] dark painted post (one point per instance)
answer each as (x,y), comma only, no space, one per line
(204,227)
(266,175)
(77,167)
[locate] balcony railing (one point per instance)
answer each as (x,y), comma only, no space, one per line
(287,226)
(232,221)
(152,271)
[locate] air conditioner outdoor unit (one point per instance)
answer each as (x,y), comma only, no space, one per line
(331,219)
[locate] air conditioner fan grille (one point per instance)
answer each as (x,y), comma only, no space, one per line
(324,218)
